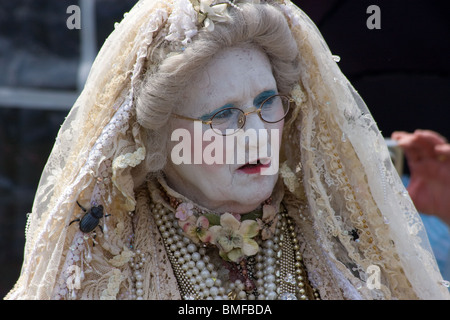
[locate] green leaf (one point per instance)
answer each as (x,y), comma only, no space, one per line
(253,215)
(213,219)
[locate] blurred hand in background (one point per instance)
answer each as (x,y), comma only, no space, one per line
(428,157)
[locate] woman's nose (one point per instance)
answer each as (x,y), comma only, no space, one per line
(254,121)
(256,136)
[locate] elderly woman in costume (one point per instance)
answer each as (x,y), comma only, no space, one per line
(158,159)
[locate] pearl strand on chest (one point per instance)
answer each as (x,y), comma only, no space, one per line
(276,270)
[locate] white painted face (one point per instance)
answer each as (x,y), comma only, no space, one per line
(239,77)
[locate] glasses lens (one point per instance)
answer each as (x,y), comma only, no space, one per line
(227,119)
(275,108)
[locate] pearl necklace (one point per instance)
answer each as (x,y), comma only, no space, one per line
(275,272)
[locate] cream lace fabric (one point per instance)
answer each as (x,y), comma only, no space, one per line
(338,179)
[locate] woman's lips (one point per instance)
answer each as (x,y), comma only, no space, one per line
(255,168)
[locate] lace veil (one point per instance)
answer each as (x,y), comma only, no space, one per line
(362,237)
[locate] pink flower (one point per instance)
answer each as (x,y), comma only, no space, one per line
(237,216)
(184,211)
(197,229)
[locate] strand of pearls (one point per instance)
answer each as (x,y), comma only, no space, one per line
(265,270)
(195,273)
(231,3)
(276,269)
(289,274)
(137,263)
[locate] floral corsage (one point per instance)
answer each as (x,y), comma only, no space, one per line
(232,234)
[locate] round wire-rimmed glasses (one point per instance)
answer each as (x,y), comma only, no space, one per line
(229,120)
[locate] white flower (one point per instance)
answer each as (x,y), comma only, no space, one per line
(217,13)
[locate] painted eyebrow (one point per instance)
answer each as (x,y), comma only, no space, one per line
(260,98)
(256,102)
(208,116)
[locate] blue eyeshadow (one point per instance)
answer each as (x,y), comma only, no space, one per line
(260,98)
(208,116)
(256,102)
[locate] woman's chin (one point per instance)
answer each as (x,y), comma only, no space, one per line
(251,194)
